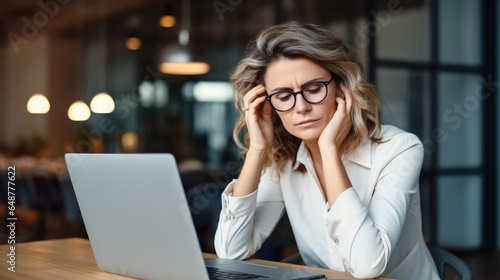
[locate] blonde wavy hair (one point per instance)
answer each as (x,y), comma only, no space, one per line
(296,39)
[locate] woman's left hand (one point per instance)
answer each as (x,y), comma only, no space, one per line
(339,126)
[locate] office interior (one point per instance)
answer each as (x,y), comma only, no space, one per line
(436,66)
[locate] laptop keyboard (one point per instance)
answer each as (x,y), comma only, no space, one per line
(220,274)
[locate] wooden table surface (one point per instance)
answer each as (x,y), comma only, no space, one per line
(73,259)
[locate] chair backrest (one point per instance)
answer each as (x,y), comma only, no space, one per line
(443,257)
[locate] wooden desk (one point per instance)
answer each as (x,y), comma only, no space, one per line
(73,259)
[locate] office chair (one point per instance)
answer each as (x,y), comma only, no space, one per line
(203,193)
(441,257)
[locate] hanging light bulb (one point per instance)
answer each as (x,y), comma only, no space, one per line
(102,103)
(133,43)
(38,104)
(178,59)
(167,19)
(78,111)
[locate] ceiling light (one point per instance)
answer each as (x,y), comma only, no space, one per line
(38,104)
(133,43)
(178,59)
(78,111)
(102,103)
(167,21)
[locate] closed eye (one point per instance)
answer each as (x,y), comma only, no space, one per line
(283,96)
(314,88)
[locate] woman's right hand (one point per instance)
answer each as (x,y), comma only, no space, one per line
(258,119)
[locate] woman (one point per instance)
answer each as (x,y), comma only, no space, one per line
(314,145)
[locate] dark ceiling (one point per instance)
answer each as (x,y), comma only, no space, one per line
(64,14)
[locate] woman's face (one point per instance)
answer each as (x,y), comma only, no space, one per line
(305,120)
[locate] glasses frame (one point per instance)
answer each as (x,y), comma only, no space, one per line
(268,98)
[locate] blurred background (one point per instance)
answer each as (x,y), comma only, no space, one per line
(97,76)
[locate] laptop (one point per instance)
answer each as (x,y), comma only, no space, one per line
(139,223)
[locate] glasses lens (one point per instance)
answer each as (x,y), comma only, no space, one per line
(283,101)
(315,93)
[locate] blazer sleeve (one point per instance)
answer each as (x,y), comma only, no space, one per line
(246,222)
(364,235)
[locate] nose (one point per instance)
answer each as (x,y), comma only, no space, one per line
(301,105)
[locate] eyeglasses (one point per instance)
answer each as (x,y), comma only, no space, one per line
(313,93)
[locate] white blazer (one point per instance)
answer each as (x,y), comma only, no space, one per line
(373,229)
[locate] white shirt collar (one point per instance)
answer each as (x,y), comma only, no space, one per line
(362,155)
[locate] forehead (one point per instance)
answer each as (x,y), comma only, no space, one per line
(291,71)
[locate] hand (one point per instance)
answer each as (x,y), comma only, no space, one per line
(339,126)
(258,119)
(259,124)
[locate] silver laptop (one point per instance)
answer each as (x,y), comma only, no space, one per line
(139,224)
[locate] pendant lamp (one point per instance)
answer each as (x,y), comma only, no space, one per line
(78,111)
(38,104)
(102,103)
(178,59)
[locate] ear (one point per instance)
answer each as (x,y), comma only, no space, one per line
(340,92)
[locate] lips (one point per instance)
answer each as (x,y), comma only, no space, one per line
(306,122)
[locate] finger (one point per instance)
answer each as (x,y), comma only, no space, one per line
(340,104)
(253,108)
(347,96)
(341,109)
(256,103)
(252,94)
